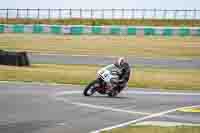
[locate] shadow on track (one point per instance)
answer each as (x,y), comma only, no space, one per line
(118,97)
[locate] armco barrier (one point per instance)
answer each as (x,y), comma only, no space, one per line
(100,30)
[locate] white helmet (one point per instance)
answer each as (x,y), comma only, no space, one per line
(120,61)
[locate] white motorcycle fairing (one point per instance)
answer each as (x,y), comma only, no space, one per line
(108,73)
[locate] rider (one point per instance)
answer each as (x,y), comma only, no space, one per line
(124,74)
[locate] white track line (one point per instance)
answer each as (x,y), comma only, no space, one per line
(109,108)
(143,118)
(91,105)
(149,115)
(74,55)
(129,91)
(35,83)
(163,93)
(67,92)
(100,107)
(140,92)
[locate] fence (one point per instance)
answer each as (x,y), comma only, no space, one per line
(100,14)
(100,30)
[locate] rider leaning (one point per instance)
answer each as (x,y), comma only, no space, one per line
(124,74)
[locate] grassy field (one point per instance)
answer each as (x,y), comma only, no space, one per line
(176,47)
(135,22)
(156,129)
(83,74)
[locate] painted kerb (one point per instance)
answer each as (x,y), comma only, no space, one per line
(100,30)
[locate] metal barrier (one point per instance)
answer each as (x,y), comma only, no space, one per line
(100,14)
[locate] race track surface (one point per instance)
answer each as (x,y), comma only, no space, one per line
(97,60)
(42,108)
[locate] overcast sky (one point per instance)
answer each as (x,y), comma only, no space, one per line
(163,4)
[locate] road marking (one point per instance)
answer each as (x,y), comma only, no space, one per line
(163,93)
(129,91)
(143,118)
(35,83)
(67,92)
(100,107)
(60,124)
(149,115)
(74,55)
(140,92)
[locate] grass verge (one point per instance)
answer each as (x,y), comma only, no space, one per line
(176,47)
(135,22)
(156,129)
(158,78)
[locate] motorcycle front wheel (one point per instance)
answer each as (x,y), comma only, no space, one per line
(91,88)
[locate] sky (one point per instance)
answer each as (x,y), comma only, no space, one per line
(161,4)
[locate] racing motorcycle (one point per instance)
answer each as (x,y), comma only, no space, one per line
(105,83)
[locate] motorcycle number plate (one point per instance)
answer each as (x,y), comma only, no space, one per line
(105,74)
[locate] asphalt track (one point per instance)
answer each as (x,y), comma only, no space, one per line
(42,108)
(97,60)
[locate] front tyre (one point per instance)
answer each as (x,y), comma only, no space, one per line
(91,88)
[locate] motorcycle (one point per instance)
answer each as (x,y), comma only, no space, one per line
(105,83)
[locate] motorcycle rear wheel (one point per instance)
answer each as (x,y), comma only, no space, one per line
(112,93)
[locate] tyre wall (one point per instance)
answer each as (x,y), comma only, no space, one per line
(100,30)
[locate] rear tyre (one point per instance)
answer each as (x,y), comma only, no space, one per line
(112,93)
(91,88)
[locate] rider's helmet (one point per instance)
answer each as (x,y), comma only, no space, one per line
(120,62)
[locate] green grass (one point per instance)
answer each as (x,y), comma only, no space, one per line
(156,129)
(176,47)
(158,78)
(135,22)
